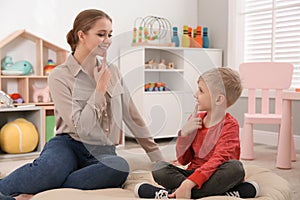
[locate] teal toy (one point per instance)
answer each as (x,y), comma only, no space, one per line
(21,67)
(175,38)
(205,39)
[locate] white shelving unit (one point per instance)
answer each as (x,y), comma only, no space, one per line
(166,111)
(32,114)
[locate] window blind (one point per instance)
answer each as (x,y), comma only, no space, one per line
(272,33)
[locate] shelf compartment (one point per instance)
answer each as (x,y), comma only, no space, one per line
(15,85)
(174,81)
(32,114)
(170,56)
(39,82)
(21,49)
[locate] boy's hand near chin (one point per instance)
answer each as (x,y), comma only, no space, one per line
(194,123)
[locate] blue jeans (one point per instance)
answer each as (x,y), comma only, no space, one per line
(67,163)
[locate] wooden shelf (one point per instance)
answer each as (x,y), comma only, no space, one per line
(23,45)
(41,50)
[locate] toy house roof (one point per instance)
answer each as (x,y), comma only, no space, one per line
(27,35)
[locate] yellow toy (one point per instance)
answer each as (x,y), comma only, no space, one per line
(18,136)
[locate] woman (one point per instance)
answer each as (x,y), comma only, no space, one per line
(90,104)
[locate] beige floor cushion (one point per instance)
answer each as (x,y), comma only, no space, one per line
(272,187)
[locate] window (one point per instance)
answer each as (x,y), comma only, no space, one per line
(270,32)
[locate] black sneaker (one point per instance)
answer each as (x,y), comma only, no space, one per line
(2,197)
(249,189)
(146,190)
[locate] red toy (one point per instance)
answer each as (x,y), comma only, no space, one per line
(16,97)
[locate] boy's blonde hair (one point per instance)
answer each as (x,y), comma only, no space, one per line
(223,80)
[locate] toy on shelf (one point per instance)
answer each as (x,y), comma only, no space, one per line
(171,65)
(205,38)
(190,30)
(18,136)
(152,31)
(198,37)
(135,32)
(162,64)
(175,38)
(21,67)
(16,97)
(41,94)
(6,100)
(185,40)
(155,86)
(152,64)
(49,67)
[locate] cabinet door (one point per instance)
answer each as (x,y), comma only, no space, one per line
(163,112)
(132,69)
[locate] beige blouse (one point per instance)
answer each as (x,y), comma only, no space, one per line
(94,118)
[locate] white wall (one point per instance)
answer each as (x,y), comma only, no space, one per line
(214,15)
(52,19)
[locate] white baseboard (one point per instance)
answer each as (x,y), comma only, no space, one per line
(271,138)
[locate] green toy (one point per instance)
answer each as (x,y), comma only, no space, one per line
(21,67)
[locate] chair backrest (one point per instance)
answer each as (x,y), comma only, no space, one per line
(266,76)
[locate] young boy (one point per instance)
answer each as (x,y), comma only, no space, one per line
(209,144)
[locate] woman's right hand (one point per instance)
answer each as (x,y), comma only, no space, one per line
(102,76)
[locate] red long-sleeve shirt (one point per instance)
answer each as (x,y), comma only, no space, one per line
(208,148)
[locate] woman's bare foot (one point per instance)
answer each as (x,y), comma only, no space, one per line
(23,197)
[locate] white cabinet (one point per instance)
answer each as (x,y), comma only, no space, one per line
(32,114)
(165,111)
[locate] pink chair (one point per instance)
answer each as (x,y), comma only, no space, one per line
(263,77)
